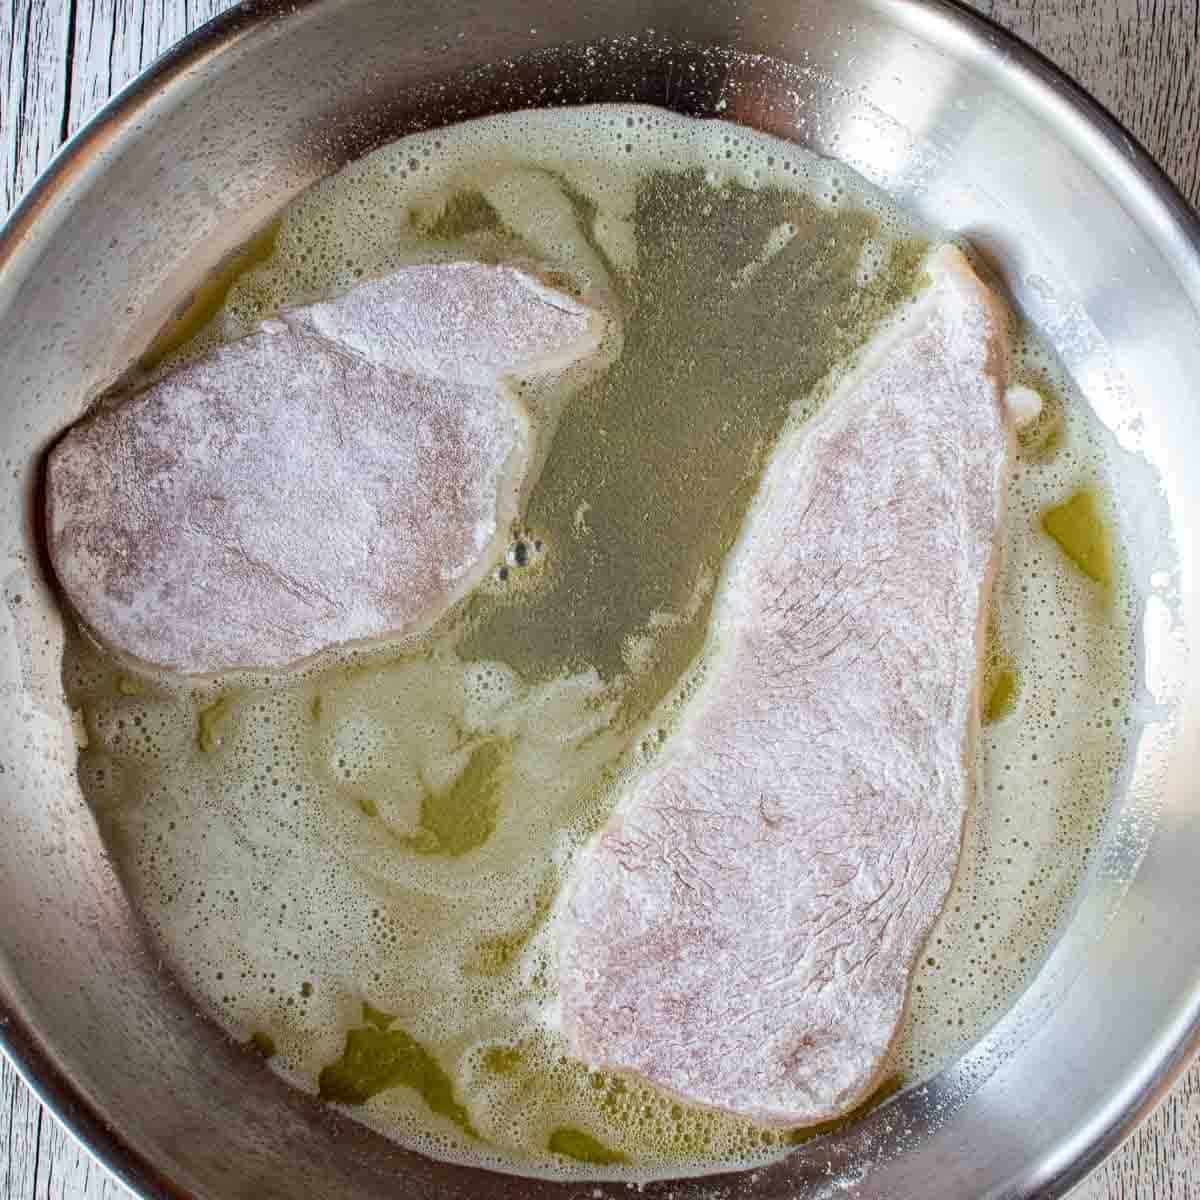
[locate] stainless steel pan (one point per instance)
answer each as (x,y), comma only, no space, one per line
(958,120)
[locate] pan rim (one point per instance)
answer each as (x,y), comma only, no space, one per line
(1126,165)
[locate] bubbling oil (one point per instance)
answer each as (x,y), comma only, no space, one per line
(356,866)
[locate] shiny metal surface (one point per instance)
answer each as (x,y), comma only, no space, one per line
(947,112)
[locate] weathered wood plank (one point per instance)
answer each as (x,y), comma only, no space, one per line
(115,39)
(65,1171)
(1140,58)
(61,59)
(34,73)
(21,1120)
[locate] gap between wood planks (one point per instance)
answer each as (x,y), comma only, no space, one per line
(61,59)
(38,1159)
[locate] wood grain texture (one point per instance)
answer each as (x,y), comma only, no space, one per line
(21,1121)
(66,1171)
(35,69)
(1139,58)
(115,39)
(61,59)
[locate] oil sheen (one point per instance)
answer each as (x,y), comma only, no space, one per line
(355,867)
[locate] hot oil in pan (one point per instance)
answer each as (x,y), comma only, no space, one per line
(357,867)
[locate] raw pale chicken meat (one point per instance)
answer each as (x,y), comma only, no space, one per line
(345,472)
(743,930)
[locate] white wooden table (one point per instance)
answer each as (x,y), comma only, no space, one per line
(60,59)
